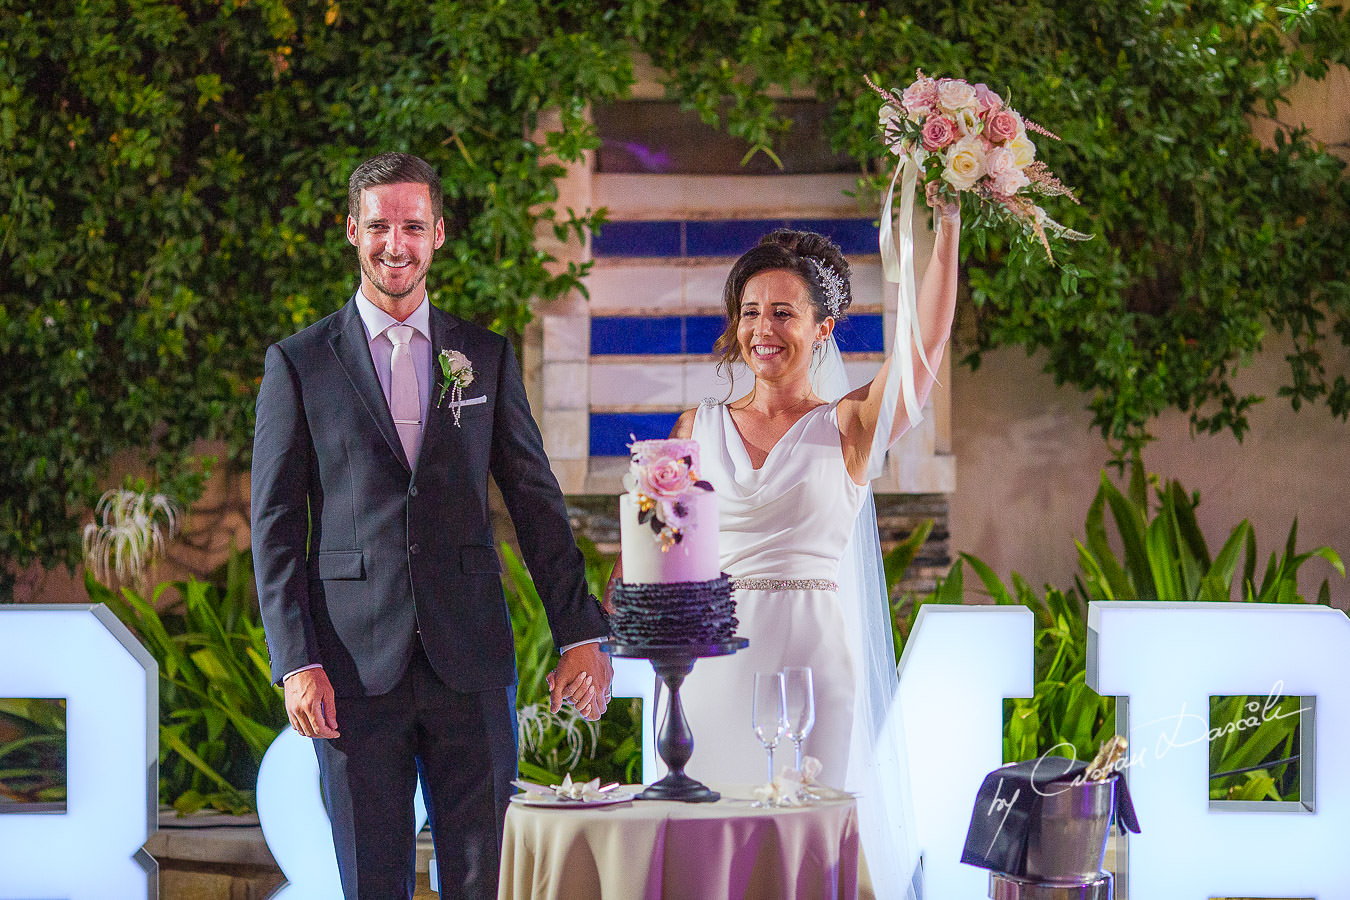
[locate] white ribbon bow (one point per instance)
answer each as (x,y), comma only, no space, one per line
(897,265)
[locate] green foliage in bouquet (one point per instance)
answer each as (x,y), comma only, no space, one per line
(218,709)
(1165,558)
(555,744)
(32,751)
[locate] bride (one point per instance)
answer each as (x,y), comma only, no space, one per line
(791,464)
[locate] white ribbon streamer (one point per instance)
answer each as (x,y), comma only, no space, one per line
(897,264)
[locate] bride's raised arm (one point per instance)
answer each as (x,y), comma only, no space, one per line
(872,417)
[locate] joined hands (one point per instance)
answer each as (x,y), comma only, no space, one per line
(582,678)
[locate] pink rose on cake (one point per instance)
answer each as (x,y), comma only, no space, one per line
(664,477)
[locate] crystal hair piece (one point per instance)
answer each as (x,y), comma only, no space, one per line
(831,283)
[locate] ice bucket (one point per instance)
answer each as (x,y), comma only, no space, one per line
(1067,843)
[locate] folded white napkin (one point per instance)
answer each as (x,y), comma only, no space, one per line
(568,790)
(794,788)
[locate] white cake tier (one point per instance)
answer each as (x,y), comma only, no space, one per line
(694,558)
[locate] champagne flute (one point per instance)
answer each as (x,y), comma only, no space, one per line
(800,704)
(769,713)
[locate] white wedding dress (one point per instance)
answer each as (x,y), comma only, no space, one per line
(788,520)
(801,517)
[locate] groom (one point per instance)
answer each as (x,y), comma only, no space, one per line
(377,574)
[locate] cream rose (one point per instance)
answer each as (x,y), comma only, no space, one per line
(1023,150)
(964,163)
(954,95)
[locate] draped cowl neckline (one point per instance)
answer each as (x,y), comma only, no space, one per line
(743,456)
(791,517)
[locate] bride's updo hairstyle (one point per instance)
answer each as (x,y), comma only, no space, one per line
(813,258)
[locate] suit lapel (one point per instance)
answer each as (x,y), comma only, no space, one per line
(349,344)
(443,326)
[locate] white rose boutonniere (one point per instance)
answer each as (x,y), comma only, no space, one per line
(457,371)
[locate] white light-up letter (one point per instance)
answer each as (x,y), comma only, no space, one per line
(93,849)
(295,823)
(1170,658)
(958,666)
(635,678)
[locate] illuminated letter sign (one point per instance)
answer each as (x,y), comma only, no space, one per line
(1169,659)
(93,850)
(958,665)
(295,823)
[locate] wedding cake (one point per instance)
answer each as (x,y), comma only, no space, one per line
(672,590)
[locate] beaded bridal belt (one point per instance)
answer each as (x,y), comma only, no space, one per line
(776,584)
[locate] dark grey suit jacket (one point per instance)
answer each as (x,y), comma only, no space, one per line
(354,550)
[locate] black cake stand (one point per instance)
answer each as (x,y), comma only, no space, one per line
(672,663)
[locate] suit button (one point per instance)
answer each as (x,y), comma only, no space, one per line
(412,491)
(413,549)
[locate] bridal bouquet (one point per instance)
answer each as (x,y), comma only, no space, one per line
(965,138)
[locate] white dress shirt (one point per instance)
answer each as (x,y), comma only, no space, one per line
(376,321)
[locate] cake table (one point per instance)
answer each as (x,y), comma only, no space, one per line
(728,850)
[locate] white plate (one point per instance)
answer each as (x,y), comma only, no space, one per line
(527,799)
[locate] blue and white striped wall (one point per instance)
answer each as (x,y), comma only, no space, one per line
(627,361)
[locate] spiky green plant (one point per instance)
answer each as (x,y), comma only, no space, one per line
(1164,557)
(553,744)
(219,711)
(32,750)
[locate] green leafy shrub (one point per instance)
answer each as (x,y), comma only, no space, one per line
(174,176)
(1165,558)
(218,709)
(554,744)
(32,751)
(175,183)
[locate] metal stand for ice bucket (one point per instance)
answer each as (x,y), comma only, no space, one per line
(1066,847)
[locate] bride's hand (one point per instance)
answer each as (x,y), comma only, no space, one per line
(949,209)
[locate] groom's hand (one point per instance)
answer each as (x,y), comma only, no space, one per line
(583,676)
(310,704)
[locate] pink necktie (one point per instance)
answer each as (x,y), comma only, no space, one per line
(405,403)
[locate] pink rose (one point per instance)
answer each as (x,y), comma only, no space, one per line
(1003,125)
(920,97)
(999,162)
(663,477)
(938,132)
(986,100)
(1010,182)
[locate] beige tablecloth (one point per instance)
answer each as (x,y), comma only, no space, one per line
(646,850)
